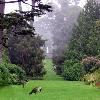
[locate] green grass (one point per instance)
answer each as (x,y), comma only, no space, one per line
(51,75)
(54,88)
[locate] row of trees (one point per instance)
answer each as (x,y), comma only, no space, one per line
(24,47)
(61,31)
(83,43)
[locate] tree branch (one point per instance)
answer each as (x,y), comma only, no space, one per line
(1,2)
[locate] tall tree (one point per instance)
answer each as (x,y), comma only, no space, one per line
(26,16)
(2,6)
(21,38)
(85,39)
(62,27)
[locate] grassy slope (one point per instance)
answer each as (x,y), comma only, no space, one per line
(54,88)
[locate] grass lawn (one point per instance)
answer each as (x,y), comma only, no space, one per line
(54,88)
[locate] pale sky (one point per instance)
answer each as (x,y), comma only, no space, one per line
(12,7)
(82,3)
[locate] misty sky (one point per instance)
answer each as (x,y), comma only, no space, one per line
(12,7)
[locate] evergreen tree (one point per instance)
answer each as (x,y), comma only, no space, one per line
(26,51)
(23,44)
(85,37)
(62,25)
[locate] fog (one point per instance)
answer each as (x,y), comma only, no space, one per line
(57,25)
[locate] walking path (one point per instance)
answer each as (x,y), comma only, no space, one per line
(50,75)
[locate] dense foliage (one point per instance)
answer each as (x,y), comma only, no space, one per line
(27,52)
(24,46)
(85,40)
(62,25)
(11,74)
(91,64)
(72,70)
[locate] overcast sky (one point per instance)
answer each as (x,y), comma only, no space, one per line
(12,7)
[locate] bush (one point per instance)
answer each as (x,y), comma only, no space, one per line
(57,61)
(4,76)
(58,69)
(91,63)
(11,74)
(90,78)
(73,70)
(97,73)
(13,69)
(5,56)
(38,71)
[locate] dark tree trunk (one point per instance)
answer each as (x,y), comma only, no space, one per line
(20,6)
(2,6)
(33,4)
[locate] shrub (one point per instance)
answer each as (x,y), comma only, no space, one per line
(67,55)
(72,70)
(57,61)
(38,71)
(91,63)
(5,56)
(90,78)
(11,74)
(97,73)
(4,76)
(58,69)
(13,69)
